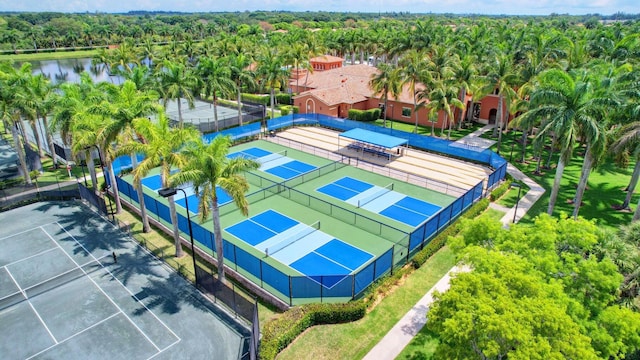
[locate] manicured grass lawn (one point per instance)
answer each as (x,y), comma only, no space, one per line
(354,340)
(510,198)
(494,214)
(50,55)
(604,187)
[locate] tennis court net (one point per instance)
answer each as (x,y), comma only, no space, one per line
(272,157)
(307,230)
(369,198)
(50,283)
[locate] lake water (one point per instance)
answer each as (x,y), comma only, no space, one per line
(69,70)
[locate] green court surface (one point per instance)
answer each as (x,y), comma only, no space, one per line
(366,230)
(63,295)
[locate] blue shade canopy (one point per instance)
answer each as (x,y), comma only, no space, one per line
(371,137)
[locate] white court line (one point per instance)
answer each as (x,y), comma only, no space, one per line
(127,289)
(32,308)
(57,275)
(28,257)
(25,231)
(101,290)
(74,335)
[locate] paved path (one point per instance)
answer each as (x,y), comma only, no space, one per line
(403,332)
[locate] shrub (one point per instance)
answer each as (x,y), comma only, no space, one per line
(500,190)
(295,109)
(284,110)
(283,98)
(256,98)
(279,333)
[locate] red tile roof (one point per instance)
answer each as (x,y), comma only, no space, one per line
(347,85)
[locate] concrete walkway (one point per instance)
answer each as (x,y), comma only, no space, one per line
(403,332)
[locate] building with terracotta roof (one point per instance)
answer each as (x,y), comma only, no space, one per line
(335,91)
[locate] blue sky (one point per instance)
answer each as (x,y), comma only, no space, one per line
(517,7)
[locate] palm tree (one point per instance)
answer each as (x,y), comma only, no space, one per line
(628,141)
(571,108)
(177,82)
(241,75)
(12,82)
(387,79)
(413,70)
(124,104)
(160,145)
(214,78)
(207,168)
(442,96)
(273,73)
(501,76)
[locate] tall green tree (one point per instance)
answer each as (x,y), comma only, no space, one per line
(214,79)
(177,82)
(161,146)
(13,83)
(122,106)
(209,169)
(273,73)
(386,81)
(501,77)
(242,75)
(570,106)
(414,72)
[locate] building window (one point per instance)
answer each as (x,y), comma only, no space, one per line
(406,112)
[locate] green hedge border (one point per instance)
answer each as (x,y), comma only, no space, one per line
(277,334)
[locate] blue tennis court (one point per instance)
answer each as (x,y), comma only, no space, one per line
(383,201)
(277,164)
(305,248)
(345,188)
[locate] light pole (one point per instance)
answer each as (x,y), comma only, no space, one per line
(517,201)
(167,192)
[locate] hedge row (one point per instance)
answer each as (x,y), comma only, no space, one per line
(281,98)
(364,115)
(279,333)
(500,190)
(258,99)
(286,109)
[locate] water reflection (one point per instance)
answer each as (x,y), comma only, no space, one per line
(69,70)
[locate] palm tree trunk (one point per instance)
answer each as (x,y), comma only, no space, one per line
(143,208)
(217,231)
(114,187)
(433,125)
(556,186)
(239,104)
(92,170)
(176,231)
(500,124)
(273,105)
(36,134)
(582,184)
(384,116)
(632,185)
(636,214)
(415,110)
(553,146)
(450,125)
(524,144)
(463,94)
(22,157)
(180,112)
(215,110)
(49,137)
